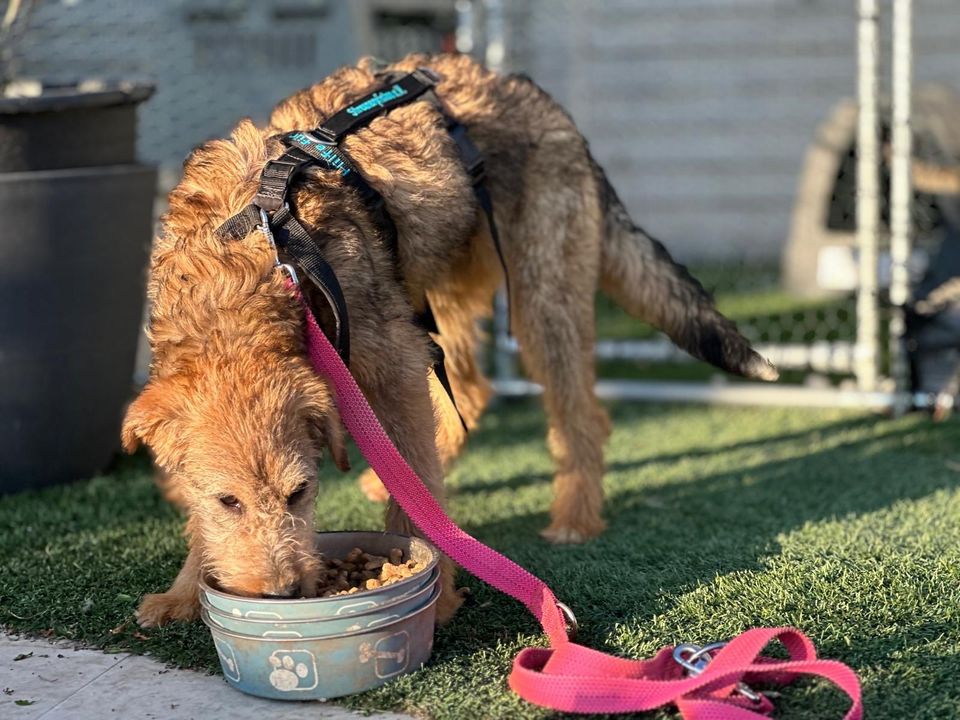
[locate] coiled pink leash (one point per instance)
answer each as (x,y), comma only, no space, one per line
(708,683)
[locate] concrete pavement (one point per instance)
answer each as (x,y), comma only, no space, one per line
(56,681)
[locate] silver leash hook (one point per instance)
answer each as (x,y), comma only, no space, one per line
(695,658)
(264,227)
(288,268)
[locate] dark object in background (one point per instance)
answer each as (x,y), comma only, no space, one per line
(77,214)
(933,320)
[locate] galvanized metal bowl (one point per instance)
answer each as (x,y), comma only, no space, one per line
(336,545)
(317,668)
(325,626)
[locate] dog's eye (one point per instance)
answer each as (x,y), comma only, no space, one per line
(231,502)
(297,495)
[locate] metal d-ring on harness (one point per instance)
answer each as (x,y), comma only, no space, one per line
(270,210)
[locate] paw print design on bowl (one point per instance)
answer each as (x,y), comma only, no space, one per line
(293,670)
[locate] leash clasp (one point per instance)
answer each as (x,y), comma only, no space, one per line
(695,658)
(264,227)
(288,269)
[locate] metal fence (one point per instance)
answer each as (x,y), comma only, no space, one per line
(217,61)
(732,131)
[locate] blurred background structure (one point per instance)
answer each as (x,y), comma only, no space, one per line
(729,128)
(216,61)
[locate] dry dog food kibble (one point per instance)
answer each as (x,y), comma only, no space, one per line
(360,571)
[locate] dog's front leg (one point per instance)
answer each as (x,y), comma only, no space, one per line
(181,601)
(400,396)
(426,463)
(450,597)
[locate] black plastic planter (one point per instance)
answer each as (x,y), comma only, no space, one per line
(75,227)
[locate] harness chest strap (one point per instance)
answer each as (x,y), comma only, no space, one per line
(567,676)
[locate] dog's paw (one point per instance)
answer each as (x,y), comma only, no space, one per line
(161,608)
(560,534)
(371,486)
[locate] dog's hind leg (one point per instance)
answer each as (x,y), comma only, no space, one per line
(553,263)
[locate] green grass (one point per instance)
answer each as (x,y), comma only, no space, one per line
(842,524)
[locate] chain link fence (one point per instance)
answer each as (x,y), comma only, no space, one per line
(216,61)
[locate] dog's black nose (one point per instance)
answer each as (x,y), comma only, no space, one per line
(285,596)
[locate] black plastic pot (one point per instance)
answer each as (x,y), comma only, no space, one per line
(75,226)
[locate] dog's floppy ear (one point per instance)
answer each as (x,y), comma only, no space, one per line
(325,424)
(147,415)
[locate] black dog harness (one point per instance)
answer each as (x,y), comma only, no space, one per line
(270,210)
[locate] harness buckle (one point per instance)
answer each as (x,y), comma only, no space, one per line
(323,135)
(274,183)
(429,74)
(695,658)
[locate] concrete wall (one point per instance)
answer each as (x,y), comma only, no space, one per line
(701,110)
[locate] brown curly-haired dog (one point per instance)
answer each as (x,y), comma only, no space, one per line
(236,418)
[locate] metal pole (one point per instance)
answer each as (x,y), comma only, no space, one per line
(494,58)
(465,27)
(901,190)
(868,195)
(495,52)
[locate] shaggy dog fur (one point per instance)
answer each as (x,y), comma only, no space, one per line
(236,418)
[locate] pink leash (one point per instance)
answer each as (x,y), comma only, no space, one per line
(569,677)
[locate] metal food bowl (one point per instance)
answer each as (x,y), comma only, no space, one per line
(318,648)
(336,545)
(317,627)
(318,668)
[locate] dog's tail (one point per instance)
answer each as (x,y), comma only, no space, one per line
(639,275)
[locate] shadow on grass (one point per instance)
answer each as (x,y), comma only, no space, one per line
(531,429)
(665,542)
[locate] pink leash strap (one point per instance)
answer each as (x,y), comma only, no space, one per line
(567,676)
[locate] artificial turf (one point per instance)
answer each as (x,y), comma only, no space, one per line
(843,524)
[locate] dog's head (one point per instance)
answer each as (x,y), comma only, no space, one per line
(240,440)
